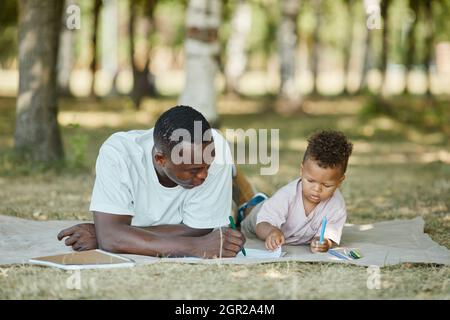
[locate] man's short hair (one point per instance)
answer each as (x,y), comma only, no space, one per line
(329,149)
(178,117)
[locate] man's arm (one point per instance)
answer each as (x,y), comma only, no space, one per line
(83,236)
(114,233)
(177,230)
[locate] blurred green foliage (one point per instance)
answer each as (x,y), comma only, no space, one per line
(8,34)
(428,115)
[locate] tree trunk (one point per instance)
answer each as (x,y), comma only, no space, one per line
(384,45)
(131,35)
(93,66)
(150,85)
(202,53)
(411,42)
(367,62)
(37,133)
(143,79)
(236,55)
(110,36)
(287,48)
(429,42)
(66,56)
(372,10)
(348,45)
(316,44)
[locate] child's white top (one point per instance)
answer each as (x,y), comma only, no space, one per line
(285,210)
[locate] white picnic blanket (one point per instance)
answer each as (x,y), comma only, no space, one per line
(381,244)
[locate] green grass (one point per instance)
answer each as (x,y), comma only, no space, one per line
(291,280)
(399,170)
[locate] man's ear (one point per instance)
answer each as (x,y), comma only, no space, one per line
(160,158)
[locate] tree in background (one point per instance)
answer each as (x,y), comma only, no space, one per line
(372,14)
(428,41)
(384,45)
(37,133)
(315,55)
(287,49)
(66,55)
(236,56)
(410,52)
(203,18)
(143,79)
(93,65)
(349,4)
(110,42)
(8,36)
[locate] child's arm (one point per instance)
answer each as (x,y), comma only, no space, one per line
(335,226)
(263,229)
(271,216)
(273,236)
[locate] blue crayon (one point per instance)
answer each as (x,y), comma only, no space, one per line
(322,232)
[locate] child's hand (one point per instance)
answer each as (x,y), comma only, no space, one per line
(317,246)
(275,239)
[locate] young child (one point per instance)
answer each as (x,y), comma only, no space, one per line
(294,214)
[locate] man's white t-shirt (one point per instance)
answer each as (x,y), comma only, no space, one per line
(126,184)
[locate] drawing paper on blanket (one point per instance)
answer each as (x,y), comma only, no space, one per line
(261,253)
(251,254)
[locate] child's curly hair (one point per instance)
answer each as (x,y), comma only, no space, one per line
(329,148)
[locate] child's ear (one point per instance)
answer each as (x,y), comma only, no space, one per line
(342,179)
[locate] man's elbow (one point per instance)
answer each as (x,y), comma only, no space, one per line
(109,246)
(110,242)
(110,230)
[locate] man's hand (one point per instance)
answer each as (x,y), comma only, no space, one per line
(81,237)
(209,245)
(275,239)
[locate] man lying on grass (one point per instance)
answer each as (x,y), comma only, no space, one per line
(162,192)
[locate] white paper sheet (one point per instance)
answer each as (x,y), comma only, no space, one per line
(261,254)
